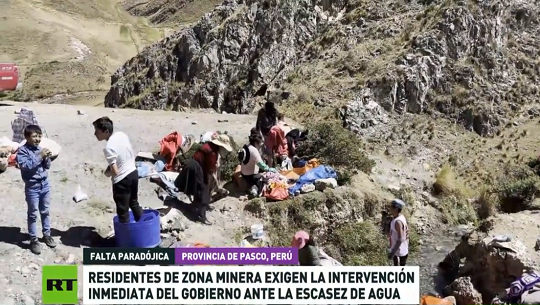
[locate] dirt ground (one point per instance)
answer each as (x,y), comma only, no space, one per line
(70,46)
(81,163)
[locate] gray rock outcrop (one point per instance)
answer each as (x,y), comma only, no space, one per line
(473,62)
(233,54)
(482,267)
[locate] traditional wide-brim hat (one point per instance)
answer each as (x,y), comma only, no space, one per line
(222,141)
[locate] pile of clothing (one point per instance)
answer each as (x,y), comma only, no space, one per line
(524,290)
(306,177)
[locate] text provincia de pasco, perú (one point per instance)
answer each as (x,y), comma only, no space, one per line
(161,256)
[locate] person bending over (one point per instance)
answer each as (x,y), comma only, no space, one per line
(251,162)
(121,169)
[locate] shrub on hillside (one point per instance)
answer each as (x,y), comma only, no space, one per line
(360,244)
(340,234)
(453,203)
(337,147)
(516,187)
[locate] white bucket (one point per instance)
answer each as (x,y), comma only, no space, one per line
(257,231)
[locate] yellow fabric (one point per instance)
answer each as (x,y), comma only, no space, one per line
(295,173)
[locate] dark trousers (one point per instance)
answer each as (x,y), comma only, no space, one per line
(252,180)
(400,260)
(125,195)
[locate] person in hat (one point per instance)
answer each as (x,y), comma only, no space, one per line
(308,253)
(251,162)
(399,234)
(199,174)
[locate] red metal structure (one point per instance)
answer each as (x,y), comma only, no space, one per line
(9,76)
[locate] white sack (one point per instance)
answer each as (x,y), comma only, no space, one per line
(50,145)
(79,195)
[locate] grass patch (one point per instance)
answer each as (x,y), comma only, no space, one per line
(98,206)
(342,222)
(454,201)
(338,147)
(516,188)
(369,248)
(445,182)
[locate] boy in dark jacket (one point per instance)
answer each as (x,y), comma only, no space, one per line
(34,163)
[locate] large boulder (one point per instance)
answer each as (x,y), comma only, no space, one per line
(489,259)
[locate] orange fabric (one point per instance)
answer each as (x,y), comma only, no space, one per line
(278,141)
(431,300)
(168,147)
(276,191)
(296,172)
(201,245)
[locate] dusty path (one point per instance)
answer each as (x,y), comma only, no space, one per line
(81,162)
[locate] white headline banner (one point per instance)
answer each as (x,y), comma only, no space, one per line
(250,285)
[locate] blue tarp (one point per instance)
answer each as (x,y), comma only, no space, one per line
(319,172)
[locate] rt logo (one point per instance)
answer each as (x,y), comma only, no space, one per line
(59,285)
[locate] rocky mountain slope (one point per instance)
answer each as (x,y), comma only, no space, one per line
(169,11)
(67,49)
(474,62)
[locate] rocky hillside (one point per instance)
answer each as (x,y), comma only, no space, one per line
(169,11)
(470,61)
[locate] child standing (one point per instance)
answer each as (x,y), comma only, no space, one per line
(34,162)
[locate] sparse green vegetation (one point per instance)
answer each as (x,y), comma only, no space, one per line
(354,237)
(516,187)
(454,197)
(337,147)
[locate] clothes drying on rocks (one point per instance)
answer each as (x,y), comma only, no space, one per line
(207,136)
(275,186)
(320,172)
(148,169)
(165,180)
(432,300)
(524,290)
(296,172)
(51,145)
(26,117)
(7,151)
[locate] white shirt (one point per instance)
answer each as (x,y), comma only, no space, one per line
(394,237)
(251,167)
(119,151)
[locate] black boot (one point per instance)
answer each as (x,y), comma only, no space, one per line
(202,215)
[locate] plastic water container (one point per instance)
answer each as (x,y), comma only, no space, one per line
(146,233)
(257,231)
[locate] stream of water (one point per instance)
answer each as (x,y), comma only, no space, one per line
(434,249)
